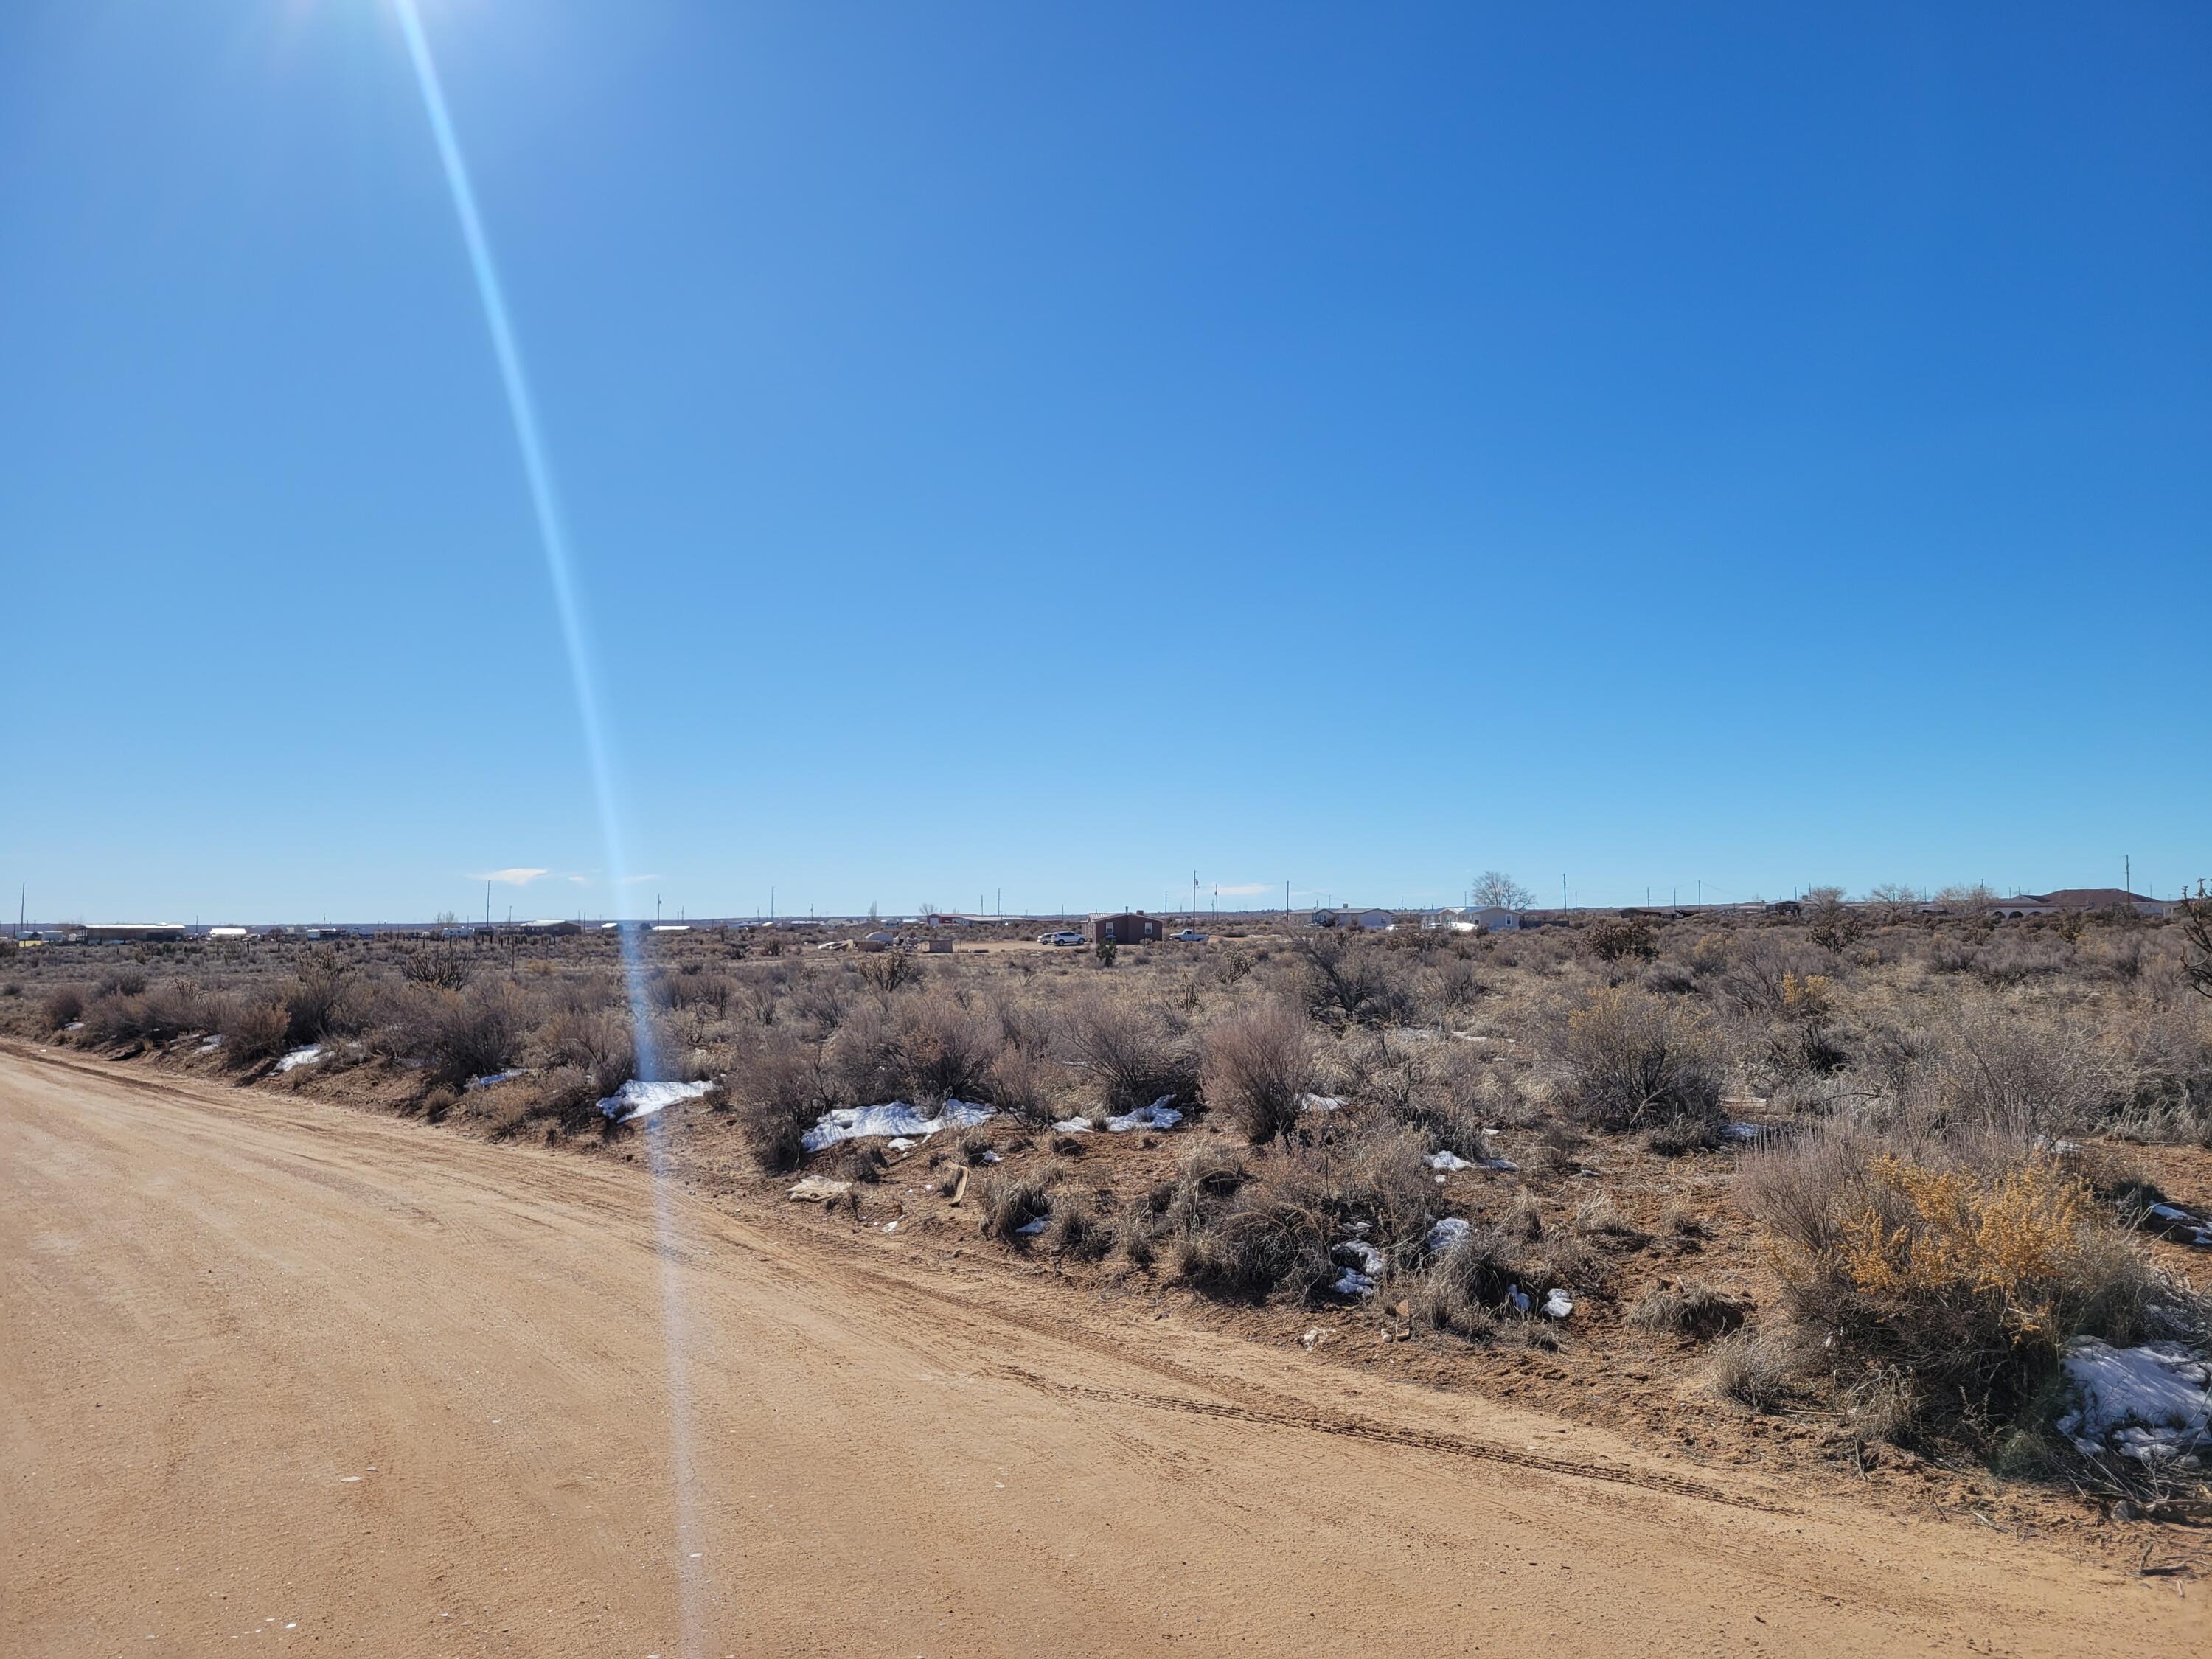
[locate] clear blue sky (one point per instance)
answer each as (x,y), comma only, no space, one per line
(1051,448)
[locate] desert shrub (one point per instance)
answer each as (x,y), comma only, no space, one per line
(1136,1054)
(61,1006)
(312,1004)
(887,971)
(1010,1200)
(1968,1275)
(124,980)
(442,970)
(1258,1065)
(693,989)
(1621,938)
(599,1042)
(1381,1178)
(253,1031)
(778,1091)
(1352,982)
(1020,1082)
(1637,1062)
(1695,1311)
(471,1033)
(944,1051)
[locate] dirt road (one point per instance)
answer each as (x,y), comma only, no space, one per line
(279,1373)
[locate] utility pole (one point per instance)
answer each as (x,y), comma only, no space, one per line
(1563,895)
(1286,904)
(1193,898)
(486,904)
(2128,865)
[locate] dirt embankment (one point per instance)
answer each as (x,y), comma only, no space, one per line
(282,1372)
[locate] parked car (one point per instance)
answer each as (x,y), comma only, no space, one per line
(1190,936)
(1065,937)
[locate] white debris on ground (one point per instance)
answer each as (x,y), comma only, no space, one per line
(1321,1103)
(1447,1161)
(1558,1305)
(1031,1228)
(1445,1233)
(490,1077)
(211,1044)
(2189,1228)
(895,1120)
(1074,1125)
(634,1100)
(990,1157)
(1158,1115)
(1358,1279)
(2152,1403)
(307,1056)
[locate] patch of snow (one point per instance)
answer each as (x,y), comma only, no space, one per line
(74,1025)
(1158,1115)
(1446,1233)
(901,1144)
(1558,1305)
(1321,1103)
(2152,1403)
(1517,1298)
(634,1100)
(1447,1161)
(211,1044)
(1744,1131)
(896,1120)
(990,1157)
(490,1077)
(1074,1125)
(307,1056)
(1031,1228)
(1349,1283)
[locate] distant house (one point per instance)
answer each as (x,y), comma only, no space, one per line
(553,929)
(1124,927)
(2076,901)
(132,933)
(1475,919)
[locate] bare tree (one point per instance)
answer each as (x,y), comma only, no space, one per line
(1499,889)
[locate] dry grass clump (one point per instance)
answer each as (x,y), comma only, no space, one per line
(1752,1369)
(1259,1065)
(1079,1229)
(1009,1201)
(1693,1309)
(472,1032)
(600,1042)
(1268,1236)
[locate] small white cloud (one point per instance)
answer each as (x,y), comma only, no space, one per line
(1239,889)
(517,877)
(580,881)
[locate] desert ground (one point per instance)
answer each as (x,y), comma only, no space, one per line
(355,1354)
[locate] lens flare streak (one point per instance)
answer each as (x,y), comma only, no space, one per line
(554,542)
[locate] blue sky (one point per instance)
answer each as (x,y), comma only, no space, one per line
(1050,449)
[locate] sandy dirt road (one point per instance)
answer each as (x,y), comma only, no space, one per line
(280,1375)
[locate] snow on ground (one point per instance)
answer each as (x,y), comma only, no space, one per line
(1158,1115)
(1074,1125)
(1319,1103)
(2191,1229)
(1031,1228)
(896,1119)
(490,1077)
(1352,1283)
(307,1056)
(1362,1255)
(2152,1403)
(1447,1161)
(634,1100)
(1558,1305)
